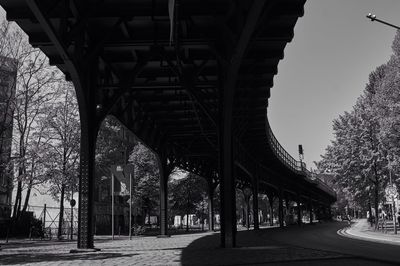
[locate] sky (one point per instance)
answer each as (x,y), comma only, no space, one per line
(326,68)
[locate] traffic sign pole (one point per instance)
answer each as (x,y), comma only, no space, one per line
(394,216)
(130,206)
(391,191)
(112,206)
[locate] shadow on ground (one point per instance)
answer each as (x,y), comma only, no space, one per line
(261,247)
(24,243)
(28,258)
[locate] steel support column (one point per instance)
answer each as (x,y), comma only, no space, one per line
(90,124)
(86,184)
(225,131)
(227,188)
(247,200)
(298,210)
(323,209)
(270,196)
(164,175)
(255,204)
(280,211)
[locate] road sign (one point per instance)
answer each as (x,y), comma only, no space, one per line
(391,190)
(122,172)
(72,203)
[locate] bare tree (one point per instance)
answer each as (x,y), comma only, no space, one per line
(35,86)
(63,146)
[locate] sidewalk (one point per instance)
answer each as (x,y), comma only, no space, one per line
(360,229)
(254,248)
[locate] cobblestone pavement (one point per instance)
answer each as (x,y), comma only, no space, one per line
(122,251)
(254,248)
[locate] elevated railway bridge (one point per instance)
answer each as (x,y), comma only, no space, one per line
(191,78)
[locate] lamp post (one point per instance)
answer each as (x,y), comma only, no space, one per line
(373,17)
(301,156)
(72,203)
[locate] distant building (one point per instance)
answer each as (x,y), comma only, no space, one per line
(7,95)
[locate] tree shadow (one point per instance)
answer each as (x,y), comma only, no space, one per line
(22,243)
(27,258)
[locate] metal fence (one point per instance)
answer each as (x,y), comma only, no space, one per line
(49,217)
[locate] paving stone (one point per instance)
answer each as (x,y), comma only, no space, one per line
(191,249)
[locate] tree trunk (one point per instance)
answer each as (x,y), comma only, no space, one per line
(370,212)
(17,200)
(149,222)
(271,221)
(29,189)
(182,216)
(376,203)
(61,216)
(187,221)
(27,196)
(21,172)
(247,200)
(19,204)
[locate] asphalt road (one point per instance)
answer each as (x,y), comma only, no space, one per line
(324,237)
(306,245)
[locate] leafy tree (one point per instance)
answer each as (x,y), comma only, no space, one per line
(146,179)
(367,138)
(201,209)
(111,147)
(187,194)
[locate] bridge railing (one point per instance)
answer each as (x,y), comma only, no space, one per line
(320,183)
(290,162)
(281,153)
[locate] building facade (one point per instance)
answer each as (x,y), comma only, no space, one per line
(7,95)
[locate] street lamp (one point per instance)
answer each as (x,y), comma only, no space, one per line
(72,203)
(301,156)
(391,189)
(372,17)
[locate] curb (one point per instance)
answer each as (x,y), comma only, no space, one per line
(343,232)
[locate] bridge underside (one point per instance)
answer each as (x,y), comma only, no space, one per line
(190,78)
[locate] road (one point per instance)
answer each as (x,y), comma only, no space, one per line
(306,245)
(324,237)
(316,245)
